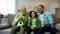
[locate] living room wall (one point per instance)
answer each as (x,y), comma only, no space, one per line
(49,4)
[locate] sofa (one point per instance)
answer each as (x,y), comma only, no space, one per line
(7,28)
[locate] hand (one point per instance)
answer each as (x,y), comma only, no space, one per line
(34,27)
(46,25)
(20,17)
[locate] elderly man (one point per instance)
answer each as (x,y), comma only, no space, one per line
(21,16)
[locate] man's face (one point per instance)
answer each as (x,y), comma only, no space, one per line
(23,10)
(40,9)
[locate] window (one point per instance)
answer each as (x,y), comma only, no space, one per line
(7,7)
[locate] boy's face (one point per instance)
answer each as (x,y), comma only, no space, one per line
(33,15)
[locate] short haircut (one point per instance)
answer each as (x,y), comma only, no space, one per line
(31,13)
(41,6)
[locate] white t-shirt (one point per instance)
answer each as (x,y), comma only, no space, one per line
(42,19)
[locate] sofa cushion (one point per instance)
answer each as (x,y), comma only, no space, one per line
(57,26)
(4,25)
(6,31)
(11,18)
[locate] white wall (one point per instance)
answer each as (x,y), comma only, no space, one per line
(30,3)
(49,4)
(11,6)
(53,6)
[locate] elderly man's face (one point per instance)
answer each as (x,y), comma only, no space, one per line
(23,10)
(40,9)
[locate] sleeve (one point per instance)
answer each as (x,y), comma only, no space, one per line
(38,23)
(29,22)
(50,18)
(15,19)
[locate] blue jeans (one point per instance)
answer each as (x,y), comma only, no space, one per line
(29,30)
(47,29)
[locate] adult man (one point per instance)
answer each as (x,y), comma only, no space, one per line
(23,15)
(46,21)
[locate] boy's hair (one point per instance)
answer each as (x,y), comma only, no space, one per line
(31,13)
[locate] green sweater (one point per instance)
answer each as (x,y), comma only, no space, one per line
(37,22)
(24,18)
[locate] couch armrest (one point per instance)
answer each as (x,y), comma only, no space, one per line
(4,25)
